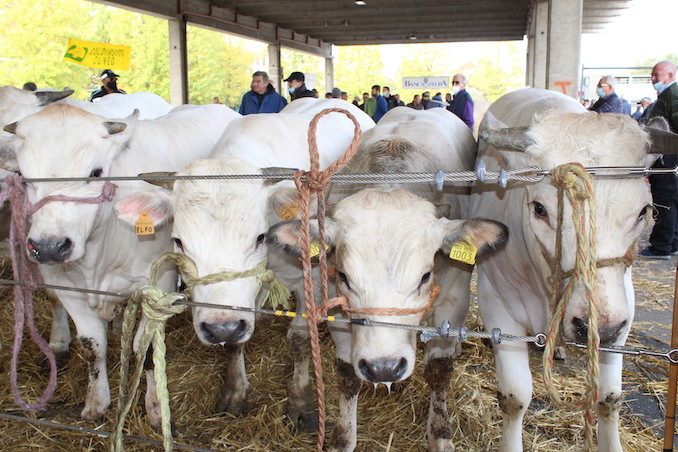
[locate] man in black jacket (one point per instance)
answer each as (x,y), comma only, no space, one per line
(110,85)
(296,86)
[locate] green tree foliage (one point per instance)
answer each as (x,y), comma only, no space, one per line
(292,60)
(357,68)
(217,66)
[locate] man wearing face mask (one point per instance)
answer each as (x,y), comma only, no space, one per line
(296,86)
(110,85)
(608,101)
(390,100)
(664,187)
(462,103)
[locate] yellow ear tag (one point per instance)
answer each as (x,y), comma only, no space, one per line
(144,224)
(288,211)
(315,249)
(464,252)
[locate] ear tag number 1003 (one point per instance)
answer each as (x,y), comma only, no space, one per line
(144,224)
(464,252)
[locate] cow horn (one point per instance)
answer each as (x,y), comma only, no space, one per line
(276,171)
(164,183)
(497,134)
(47,97)
(661,140)
(11,128)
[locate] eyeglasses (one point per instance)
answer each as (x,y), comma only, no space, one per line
(456,82)
(600,85)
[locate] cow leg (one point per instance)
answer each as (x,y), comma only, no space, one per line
(345,435)
(60,333)
(440,352)
(301,405)
(233,398)
(609,401)
(91,329)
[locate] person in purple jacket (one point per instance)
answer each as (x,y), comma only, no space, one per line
(462,103)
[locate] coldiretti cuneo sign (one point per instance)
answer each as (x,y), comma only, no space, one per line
(98,54)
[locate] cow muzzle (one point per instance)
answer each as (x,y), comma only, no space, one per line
(608,333)
(225,332)
(50,251)
(383,370)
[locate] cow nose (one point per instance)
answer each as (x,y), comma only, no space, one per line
(383,370)
(607,333)
(229,332)
(50,251)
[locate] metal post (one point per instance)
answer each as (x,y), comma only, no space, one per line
(670,420)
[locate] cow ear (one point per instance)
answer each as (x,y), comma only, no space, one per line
(286,235)
(486,235)
(155,203)
(285,202)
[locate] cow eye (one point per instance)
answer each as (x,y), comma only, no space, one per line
(260,239)
(343,278)
(539,210)
(178,243)
(96,172)
(425,278)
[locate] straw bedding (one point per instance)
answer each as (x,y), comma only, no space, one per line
(395,421)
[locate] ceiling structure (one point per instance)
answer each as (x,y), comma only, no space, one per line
(314,25)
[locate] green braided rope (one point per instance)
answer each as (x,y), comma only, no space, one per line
(158,307)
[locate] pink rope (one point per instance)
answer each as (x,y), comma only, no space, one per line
(27,271)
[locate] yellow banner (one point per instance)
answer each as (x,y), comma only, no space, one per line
(98,54)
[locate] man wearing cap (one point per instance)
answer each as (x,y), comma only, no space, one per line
(109,80)
(262,98)
(296,86)
(642,110)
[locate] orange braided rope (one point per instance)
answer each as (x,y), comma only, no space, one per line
(315,183)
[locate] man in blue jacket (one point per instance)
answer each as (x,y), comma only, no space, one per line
(262,98)
(382,106)
(608,101)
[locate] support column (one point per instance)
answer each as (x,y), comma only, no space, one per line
(329,75)
(274,68)
(564,46)
(178,61)
(541,34)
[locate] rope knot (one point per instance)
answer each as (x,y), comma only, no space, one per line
(158,306)
(575,180)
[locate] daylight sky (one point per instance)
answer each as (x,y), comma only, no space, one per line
(646,29)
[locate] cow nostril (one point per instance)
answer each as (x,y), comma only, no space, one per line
(581,329)
(365,370)
(206,332)
(383,370)
(402,367)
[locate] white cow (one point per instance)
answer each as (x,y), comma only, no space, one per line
(513,288)
(221,225)
(16,104)
(386,240)
(84,245)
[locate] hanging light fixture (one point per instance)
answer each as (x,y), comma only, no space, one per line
(360,2)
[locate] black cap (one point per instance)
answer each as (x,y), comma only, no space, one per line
(295,76)
(108,73)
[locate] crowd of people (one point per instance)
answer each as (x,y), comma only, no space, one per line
(263,98)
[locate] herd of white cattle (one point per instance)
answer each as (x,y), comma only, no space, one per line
(389,242)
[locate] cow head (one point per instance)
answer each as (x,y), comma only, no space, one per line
(221,225)
(384,243)
(63,141)
(16,104)
(623,206)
